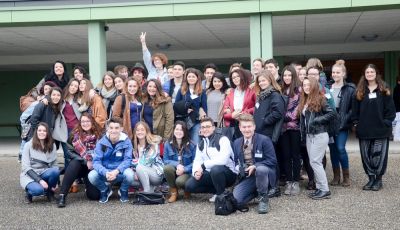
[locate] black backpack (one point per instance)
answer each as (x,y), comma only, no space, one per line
(225,204)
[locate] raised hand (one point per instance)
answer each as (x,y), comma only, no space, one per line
(143,37)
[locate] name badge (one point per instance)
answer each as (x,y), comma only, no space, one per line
(193,96)
(118,154)
(257,105)
(258,154)
(372,95)
(179,158)
(332,90)
(138,103)
(328,96)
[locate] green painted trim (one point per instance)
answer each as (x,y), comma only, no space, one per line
(148,11)
(255,37)
(391,67)
(97,51)
(5,16)
(211,8)
(267,44)
(51,15)
(295,5)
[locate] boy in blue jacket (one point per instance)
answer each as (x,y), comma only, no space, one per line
(113,156)
(256,160)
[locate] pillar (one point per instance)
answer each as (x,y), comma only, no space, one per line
(97,51)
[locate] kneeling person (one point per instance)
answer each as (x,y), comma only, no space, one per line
(256,161)
(113,156)
(213,166)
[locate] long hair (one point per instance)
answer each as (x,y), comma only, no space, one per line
(221,77)
(158,98)
(138,94)
(363,83)
(150,138)
(268,75)
(84,96)
(56,107)
(52,74)
(244,81)
(198,89)
(110,74)
(47,142)
(67,94)
(95,130)
(82,70)
(185,139)
(315,100)
(294,84)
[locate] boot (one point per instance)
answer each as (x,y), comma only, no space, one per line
(377,184)
(61,201)
(336,177)
(263,204)
(368,186)
(50,195)
(346,178)
(186,195)
(174,195)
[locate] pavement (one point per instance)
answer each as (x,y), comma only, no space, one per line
(349,208)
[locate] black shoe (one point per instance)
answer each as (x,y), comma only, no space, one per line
(321,195)
(263,204)
(28,198)
(274,192)
(313,193)
(61,201)
(50,196)
(371,181)
(377,184)
(311,185)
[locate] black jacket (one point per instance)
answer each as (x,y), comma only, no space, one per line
(42,113)
(396,97)
(268,113)
(345,105)
(316,122)
(373,116)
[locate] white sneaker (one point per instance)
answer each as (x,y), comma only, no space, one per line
(212,199)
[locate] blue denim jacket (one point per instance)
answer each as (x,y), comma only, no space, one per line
(171,156)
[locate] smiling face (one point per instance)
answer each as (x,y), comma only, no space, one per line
(55,97)
(236,79)
(82,86)
(46,89)
(257,67)
(41,132)
(151,88)
(287,77)
(58,69)
(306,86)
(217,83)
(247,128)
(140,132)
(209,73)
(207,128)
(114,130)
(263,82)
(119,83)
(86,123)
(314,73)
(138,73)
(108,81)
(272,68)
(78,74)
(337,74)
(178,132)
(370,74)
(73,87)
(133,87)
(302,74)
(157,63)
(178,71)
(123,72)
(191,79)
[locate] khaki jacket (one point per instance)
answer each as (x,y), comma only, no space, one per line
(163,119)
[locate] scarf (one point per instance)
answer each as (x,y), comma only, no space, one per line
(107,95)
(84,145)
(265,93)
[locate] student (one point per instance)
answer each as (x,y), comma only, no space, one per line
(139,72)
(39,172)
(213,166)
(315,62)
(257,67)
(373,113)
(272,66)
(147,161)
(216,94)
(121,70)
(128,106)
(175,84)
(80,73)
(208,72)
(194,99)
(343,94)
(154,64)
(240,100)
(113,156)
(179,154)
(91,102)
(290,139)
(81,146)
(315,115)
(119,82)
(107,91)
(255,158)
(158,111)
(58,74)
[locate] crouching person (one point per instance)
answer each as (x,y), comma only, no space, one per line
(113,156)
(213,166)
(256,160)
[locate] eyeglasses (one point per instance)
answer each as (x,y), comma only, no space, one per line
(206,127)
(85,122)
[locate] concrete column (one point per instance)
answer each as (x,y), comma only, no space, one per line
(255,37)
(97,51)
(267,46)
(391,67)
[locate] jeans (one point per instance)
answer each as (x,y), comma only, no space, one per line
(338,151)
(194,133)
(51,176)
(65,150)
(126,179)
(251,186)
(214,181)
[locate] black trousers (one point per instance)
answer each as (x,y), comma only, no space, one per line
(214,181)
(74,171)
(290,151)
(374,155)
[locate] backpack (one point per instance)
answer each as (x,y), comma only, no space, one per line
(26,100)
(149,198)
(226,204)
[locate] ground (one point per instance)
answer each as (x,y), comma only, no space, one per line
(349,208)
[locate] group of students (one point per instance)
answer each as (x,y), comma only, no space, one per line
(203,132)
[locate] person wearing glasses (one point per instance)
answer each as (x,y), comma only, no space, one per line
(213,166)
(256,160)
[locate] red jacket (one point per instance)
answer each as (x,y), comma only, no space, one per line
(248,105)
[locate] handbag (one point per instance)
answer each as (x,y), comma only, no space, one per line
(149,198)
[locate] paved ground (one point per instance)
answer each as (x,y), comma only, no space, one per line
(349,208)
